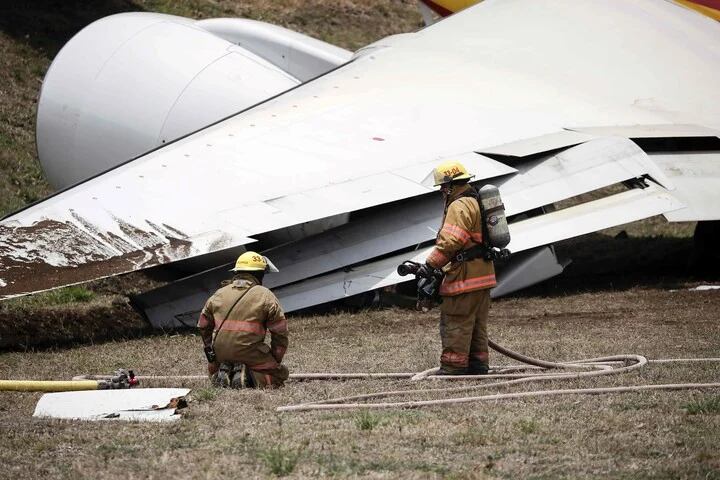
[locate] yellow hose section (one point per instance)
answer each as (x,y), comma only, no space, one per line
(47,385)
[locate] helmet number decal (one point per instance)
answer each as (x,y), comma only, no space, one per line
(452,172)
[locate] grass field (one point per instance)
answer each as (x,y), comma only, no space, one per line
(238,433)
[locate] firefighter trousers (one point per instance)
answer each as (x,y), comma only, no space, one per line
(463,331)
(264,369)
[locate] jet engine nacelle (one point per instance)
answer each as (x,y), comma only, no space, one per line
(131,82)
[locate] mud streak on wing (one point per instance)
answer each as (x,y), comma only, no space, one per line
(79,251)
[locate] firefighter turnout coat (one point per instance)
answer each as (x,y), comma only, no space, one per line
(235,321)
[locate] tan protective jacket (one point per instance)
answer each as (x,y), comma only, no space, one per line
(257,312)
(461,229)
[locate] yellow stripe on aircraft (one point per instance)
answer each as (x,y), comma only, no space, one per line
(708,11)
(709,8)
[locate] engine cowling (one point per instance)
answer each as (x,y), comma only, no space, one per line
(132,82)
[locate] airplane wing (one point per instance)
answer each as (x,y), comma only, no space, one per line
(520,90)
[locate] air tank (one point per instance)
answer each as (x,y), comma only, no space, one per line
(496,224)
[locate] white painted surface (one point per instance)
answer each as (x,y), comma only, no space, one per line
(650,131)
(140,404)
(697,179)
(526,270)
(580,169)
(540,144)
(617,209)
(301,56)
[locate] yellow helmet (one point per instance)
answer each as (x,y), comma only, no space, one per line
(253,262)
(450,171)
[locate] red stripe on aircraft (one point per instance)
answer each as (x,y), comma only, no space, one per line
(439,9)
(707,3)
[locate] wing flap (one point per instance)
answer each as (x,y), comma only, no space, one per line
(516,150)
(586,167)
(483,167)
(560,225)
(696,176)
(618,209)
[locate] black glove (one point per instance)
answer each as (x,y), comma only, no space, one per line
(210,354)
(425,271)
(495,254)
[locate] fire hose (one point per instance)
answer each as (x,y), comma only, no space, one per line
(600,367)
(593,367)
(120,379)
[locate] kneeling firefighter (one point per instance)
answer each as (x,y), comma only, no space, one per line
(465,256)
(233,325)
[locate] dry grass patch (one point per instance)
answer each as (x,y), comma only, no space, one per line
(225,432)
(703,406)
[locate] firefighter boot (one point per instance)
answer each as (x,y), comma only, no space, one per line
(445,371)
(224,376)
(478,368)
(242,377)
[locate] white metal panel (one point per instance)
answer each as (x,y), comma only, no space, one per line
(342,284)
(581,169)
(401,226)
(232,83)
(589,217)
(479,165)
(697,180)
(650,131)
(540,144)
(528,268)
(302,56)
(140,404)
(323,202)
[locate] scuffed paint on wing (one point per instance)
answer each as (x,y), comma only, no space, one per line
(49,253)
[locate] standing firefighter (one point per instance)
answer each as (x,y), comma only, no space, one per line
(465,288)
(233,324)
